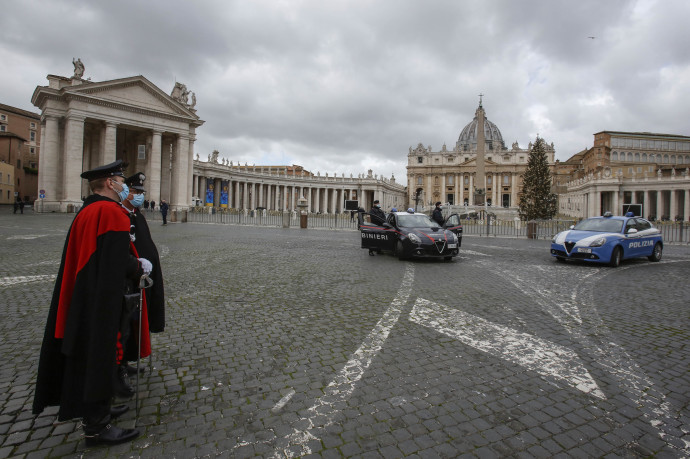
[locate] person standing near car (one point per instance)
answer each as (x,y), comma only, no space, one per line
(376,214)
(81,345)
(437,214)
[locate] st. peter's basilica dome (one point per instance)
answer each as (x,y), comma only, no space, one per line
(492,136)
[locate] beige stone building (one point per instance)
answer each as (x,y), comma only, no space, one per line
(478,167)
(86,124)
(622,168)
(20,136)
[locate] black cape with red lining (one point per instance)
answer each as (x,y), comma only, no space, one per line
(80,341)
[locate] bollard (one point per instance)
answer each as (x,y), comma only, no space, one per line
(303,220)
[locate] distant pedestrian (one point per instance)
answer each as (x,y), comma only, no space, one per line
(164,211)
(16,207)
(21,206)
(146,204)
(352,215)
(153,205)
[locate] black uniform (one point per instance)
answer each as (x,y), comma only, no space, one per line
(377,216)
(437,216)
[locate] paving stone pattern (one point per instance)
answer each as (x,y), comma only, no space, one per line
(289,342)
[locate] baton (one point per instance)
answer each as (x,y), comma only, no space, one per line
(144,283)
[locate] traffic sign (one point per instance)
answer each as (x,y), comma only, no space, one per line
(42,192)
(41,195)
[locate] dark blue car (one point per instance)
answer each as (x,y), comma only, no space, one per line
(609,240)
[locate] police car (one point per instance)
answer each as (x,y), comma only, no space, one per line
(609,239)
(411,234)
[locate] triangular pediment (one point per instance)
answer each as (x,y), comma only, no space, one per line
(135,92)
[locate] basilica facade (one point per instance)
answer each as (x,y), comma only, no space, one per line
(478,169)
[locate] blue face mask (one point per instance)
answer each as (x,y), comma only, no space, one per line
(124,193)
(137,200)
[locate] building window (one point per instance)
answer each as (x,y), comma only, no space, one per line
(644,157)
(420,160)
(19,164)
(450,159)
(419,180)
(32,125)
(488,180)
(506,179)
(450,180)
(3,128)
(639,170)
(467,180)
(522,159)
(3,117)
(651,168)
(614,156)
(32,136)
(436,160)
(637,157)
(32,150)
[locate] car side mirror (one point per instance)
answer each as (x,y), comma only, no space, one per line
(632,231)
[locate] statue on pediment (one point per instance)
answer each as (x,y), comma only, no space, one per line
(193,104)
(181,94)
(78,68)
(214,157)
(197,156)
(516,146)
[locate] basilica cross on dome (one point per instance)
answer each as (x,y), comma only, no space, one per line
(480,99)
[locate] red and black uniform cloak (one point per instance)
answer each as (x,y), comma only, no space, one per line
(79,345)
(153,316)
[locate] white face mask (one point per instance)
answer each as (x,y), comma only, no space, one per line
(124,192)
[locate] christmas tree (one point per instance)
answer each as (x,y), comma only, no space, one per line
(537,201)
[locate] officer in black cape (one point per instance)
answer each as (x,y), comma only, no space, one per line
(81,345)
(146,248)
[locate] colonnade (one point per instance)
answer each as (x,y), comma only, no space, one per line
(221,185)
(667,197)
(463,187)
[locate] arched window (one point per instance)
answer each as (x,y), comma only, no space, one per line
(652,158)
(467,180)
(630,156)
(614,156)
(419,180)
(644,157)
(637,157)
(673,159)
(665,159)
(436,180)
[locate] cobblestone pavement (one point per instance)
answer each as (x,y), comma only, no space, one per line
(289,342)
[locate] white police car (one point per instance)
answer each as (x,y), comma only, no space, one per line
(608,239)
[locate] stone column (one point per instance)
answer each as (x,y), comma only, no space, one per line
(109,143)
(153,177)
(179,173)
(686,206)
(49,160)
(261,195)
(513,190)
(245,194)
(471,191)
(190,167)
(646,210)
(307,194)
(673,204)
(195,185)
(659,204)
(72,164)
(333,199)
(616,202)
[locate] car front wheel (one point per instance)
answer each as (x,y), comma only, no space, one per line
(399,250)
(656,253)
(616,257)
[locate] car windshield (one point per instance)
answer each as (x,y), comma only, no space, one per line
(603,225)
(415,221)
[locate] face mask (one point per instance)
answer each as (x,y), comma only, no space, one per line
(137,200)
(124,193)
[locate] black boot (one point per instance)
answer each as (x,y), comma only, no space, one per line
(108,435)
(132,370)
(121,385)
(118,410)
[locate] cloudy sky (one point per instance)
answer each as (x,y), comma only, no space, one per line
(345,86)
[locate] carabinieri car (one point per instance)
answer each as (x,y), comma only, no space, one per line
(609,239)
(410,234)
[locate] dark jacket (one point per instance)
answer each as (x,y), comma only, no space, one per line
(437,216)
(164,208)
(146,248)
(80,341)
(377,216)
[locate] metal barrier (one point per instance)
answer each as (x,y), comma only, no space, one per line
(673,232)
(543,229)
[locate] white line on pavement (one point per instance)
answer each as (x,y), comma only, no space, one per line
(281,403)
(7,281)
(531,352)
(323,412)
